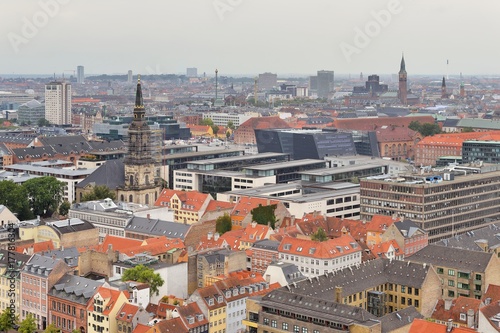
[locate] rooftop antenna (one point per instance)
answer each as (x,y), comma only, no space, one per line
(447,69)
(216,81)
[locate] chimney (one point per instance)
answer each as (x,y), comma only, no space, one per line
(338,294)
(449,325)
(470,318)
(447,304)
(216,236)
(254,224)
(209,235)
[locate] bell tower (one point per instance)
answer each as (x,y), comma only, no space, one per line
(141,178)
(403,88)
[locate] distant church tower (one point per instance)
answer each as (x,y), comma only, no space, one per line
(141,185)
(462,90)
(403,88)
(444,94)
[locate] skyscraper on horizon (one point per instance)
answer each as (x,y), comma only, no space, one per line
(58,102)
(325,83)
(192,72)
(80,74)
(129,77)
(267,81)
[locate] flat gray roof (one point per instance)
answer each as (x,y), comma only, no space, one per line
(281,165)
(50,171)
(200,153)
(334,171)
(239,158)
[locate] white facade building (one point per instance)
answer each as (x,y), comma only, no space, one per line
(58,103)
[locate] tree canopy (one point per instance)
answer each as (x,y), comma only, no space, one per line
(223,224)
(99,192)
(144,274)
(28,325)
(7,321)
(52,329)
(15,197)
(264,215)
(319,236)
(44,194)
(425,129)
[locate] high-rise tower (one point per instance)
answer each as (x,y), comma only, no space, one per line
(403,77)
(141,183)
(58,103)
(80,74)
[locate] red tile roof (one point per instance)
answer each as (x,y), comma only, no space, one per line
(37,247)
(381,250)
(489,311)
(191,200)
(255,232)
(140,328)
(264,123)
(110,296)
(155,248)
(391,134)
(458,306)
(492,292)
(174,325)
(424,326)
(127,312)
(328,249)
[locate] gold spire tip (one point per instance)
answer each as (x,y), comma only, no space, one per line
(139,78)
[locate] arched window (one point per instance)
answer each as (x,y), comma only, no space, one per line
(399,149)
(386,149)
(131,180)
(146,179)
(131,198)
(122,198)
(404,148)
(393,149)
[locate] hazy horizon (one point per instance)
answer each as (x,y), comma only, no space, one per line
(242,36)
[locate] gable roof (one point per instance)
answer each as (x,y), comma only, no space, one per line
(473,261)
(157,227)
(458,306)
(111,174)
(331,248)
(263,123)
(395,320)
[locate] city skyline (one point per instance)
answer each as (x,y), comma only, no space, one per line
(241,37)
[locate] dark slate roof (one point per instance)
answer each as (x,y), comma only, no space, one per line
(60,139)
(442,256)
(319,308)
(17,137)
(156,227)
(473,239)
(367,275)
(451,122)
(267,244)
(61,228)
(409,226)
(215,256)
(69,255)
(40,265)
(396,320)
(75,288)
(290,271)
(7,257)
(36,152)
(111,174)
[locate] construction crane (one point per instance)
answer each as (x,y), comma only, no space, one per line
(255,91)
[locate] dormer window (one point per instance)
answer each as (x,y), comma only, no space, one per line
(190,320)
(199,317)
(235,292)
(219,299)
(287,247)
(228,294)
(242,290)
(211,301)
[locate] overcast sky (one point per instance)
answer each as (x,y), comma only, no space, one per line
(250,36)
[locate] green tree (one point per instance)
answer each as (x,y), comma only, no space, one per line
(15,197)
(7,321)
(28,325)
(223,224)
(264,215)
(228,134)
(207,121)
(52,329)
(426,129)
(144,274)
(45,194)
(99,192)
(215,129)
(43,122)
(319,236)
(230,125)
(467,130)
(64,208)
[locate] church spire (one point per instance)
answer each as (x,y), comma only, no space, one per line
(139,103)
(443,84)
(403,65)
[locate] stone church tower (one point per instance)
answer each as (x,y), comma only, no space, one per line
(403,87)
(141,170)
